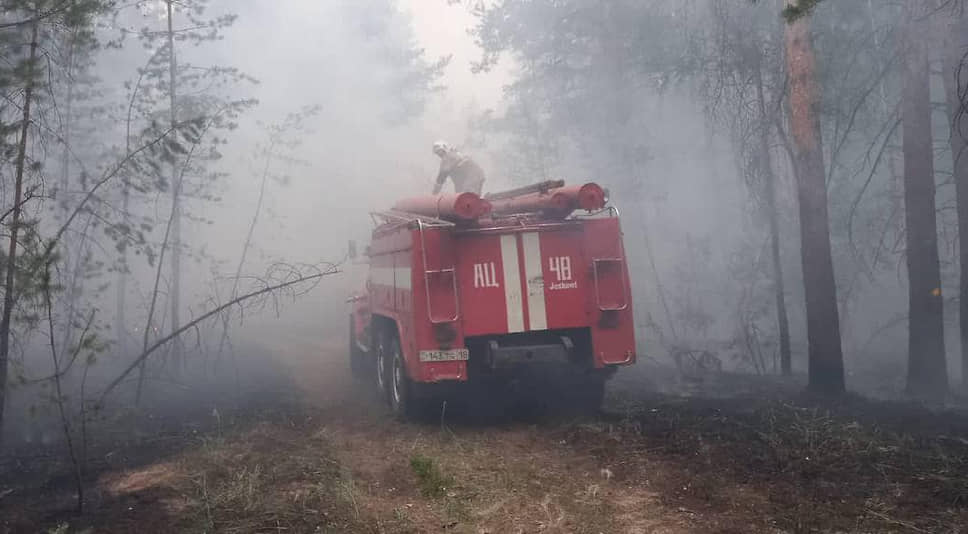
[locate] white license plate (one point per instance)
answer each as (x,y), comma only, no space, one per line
(444,355)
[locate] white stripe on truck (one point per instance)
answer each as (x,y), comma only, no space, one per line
(512,283)
(537,316)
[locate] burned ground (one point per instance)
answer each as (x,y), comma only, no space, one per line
(312,451)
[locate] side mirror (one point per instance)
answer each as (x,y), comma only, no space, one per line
(351,249)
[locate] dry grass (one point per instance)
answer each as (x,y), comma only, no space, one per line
(803,465)
(768,462)
(267,480)
(277,476)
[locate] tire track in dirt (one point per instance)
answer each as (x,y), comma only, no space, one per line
(503,477)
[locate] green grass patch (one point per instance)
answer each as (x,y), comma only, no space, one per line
(432,481)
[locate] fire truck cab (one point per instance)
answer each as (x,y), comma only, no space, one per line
(464,290)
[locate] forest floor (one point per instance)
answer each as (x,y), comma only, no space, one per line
(314,451)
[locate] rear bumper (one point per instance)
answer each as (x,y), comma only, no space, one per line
(575,347)
(507,357)
(567,350)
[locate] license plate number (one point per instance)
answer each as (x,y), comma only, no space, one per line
(444,355)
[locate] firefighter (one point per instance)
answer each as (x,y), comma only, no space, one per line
(466,174)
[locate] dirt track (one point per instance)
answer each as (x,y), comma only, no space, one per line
(508,476)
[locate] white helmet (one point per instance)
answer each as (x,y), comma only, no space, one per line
(441,147)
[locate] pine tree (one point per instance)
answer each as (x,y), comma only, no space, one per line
(174,92)
(32,24)
(927,368)
(955,75)
(825,356)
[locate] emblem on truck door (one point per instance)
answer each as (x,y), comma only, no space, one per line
(485,275)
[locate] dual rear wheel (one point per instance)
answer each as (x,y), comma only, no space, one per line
(386,368)
(392,382)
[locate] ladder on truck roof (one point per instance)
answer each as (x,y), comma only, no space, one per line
(397,219)
(540,187)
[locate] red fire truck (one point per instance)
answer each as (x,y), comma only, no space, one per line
(465,290)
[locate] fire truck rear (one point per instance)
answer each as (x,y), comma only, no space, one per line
(466,291)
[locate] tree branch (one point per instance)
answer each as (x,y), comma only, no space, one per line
(330,270)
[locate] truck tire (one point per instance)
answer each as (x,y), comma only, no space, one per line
(357,365)
(383,363)
(402,402)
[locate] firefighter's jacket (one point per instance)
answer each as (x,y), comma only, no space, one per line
(466,174)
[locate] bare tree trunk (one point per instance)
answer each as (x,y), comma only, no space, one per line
(176,242)
(121,317)
(245,250)
(769,192)
(73,259)
(927,369)
(68,117)
(61,400)
(15,222)
(176,191)
(955,86)
(154,297)
(826,362)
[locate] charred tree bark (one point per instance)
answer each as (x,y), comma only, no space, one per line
(16,219)
(956,87)
(927,370)
(826,362)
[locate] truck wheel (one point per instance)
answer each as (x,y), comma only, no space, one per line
(357,365)
(383,362)
(401,398)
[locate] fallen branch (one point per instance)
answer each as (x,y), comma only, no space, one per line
(330,269)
